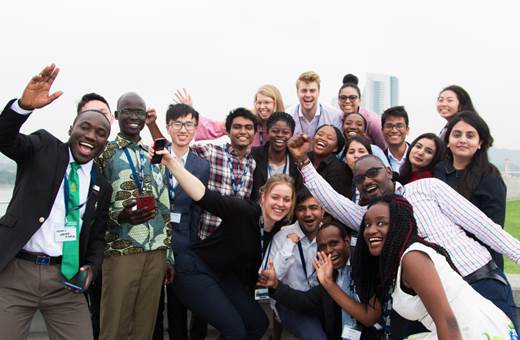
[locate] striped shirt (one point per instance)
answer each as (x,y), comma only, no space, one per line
(443,216)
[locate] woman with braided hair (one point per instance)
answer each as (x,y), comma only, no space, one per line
(394,269)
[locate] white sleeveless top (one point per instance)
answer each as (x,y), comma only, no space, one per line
(477,317)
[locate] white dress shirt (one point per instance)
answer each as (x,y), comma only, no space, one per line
(443,216)
(287,261)
(43,240)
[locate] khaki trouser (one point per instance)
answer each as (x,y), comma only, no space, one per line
(26,287)
(130,295)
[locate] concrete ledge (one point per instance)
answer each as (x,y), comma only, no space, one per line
(514,280)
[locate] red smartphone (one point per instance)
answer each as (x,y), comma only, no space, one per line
(158,144)
(146,201)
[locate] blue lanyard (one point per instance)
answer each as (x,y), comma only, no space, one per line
(231,162)
(304,264)
(139,181)
(66,193)
(262,235)
(261,134)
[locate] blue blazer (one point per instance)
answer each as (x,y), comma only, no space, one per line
(186,231)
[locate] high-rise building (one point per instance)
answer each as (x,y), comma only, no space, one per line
(381,92)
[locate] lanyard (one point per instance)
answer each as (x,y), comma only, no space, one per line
(304,264)
(231,165)
(387,310)
(262,242)
(139,181)
(66,193)
(261,134)
(284,168)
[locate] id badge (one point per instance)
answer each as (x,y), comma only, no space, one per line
(65,234)
(175,217)
(261,294)
(350,333)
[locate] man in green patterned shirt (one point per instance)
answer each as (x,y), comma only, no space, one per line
(138,256)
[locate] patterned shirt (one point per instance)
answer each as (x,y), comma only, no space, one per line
(154,234)
(443,217)
(228,175)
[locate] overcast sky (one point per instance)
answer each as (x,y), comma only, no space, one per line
(222,51)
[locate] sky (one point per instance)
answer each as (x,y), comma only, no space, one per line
(223,51)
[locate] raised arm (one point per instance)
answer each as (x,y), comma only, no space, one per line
(419,273)
(191,185)
(336,204)
(151,123)
(368,315)
(35,95)
(464,214)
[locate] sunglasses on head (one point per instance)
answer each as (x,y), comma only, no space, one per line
(370,173)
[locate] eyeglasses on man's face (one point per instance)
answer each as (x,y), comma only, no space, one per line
(398,126)
(177,125)
(370,173)
(141,114)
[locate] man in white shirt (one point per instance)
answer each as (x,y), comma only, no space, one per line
(52,233)
(443,217)
(293,249)
(394,122)
(310,114)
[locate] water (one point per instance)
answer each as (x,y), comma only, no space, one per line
(5,196)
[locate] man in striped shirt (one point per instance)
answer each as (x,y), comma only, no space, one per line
(443,217)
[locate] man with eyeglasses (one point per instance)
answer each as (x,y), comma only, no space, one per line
(309,114)
(181,123)
(395,129)
(443,217)
(138,257)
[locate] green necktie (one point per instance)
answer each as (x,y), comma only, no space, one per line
(70,250)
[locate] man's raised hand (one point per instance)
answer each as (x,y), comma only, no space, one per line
(36,93)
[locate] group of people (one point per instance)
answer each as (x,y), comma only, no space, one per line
(349,230)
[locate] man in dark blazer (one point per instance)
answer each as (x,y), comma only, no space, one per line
(31,238)
(181,122)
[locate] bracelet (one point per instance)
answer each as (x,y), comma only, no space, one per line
(301,164)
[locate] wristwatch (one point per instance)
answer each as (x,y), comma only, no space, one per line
(301,164)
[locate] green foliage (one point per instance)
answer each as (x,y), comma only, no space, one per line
(513,227)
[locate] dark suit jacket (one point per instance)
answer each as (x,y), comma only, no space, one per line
(42,162)
(260,154)
(318,302)
(186,232)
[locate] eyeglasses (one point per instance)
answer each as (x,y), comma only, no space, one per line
(398,126)
(141,114)
(352,98)
(370,173)
(177,125)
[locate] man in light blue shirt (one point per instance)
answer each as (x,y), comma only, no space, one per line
(310,114)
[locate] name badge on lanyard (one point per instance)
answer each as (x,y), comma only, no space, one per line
(350,333)
(138,180)
(237,184)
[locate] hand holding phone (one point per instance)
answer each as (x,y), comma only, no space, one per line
(146,201)
(158,144)
(78,282)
